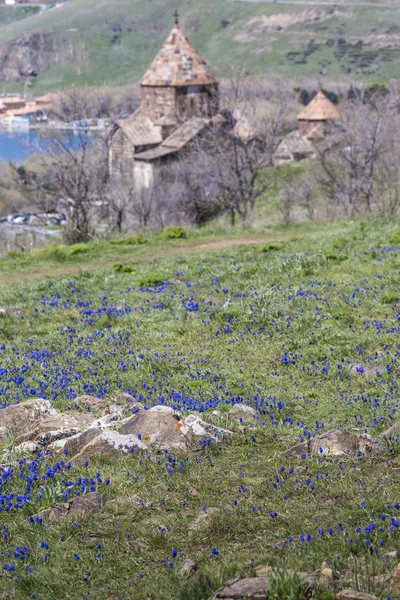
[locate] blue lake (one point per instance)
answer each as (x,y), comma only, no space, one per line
(18,145)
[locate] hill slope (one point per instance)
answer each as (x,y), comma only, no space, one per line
(103,42)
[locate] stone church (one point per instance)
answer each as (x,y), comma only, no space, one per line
(314,125)
(179,98)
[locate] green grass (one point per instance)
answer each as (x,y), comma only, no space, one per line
(118,40)
(269,325)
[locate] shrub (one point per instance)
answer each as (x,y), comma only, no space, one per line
(62,252)
(173,233)
(75,249)
(271,247)
(151,280)
(390,297)
(340,242)
(16,255)
(119,268)
(56,253)
(333,256)
(132,240)
(395,237)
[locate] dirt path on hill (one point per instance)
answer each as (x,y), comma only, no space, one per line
(64,269)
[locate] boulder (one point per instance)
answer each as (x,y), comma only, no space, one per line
(351,594)
(76,443)
(25,416)
(242,411)
(116,411)
(335,443)
(241,589)
(111,443)
(77,507)
(393,430)
(366,369)
(57,446)
(166,430)
(326,574)
(194,428)
(71,419)
(103,422)
(395,581)
(156,428)
(203,519)
(263,571)
(123,398)
(90,402)
(168,410)
(187,568)
(69,423)
(49,437)
(28,447)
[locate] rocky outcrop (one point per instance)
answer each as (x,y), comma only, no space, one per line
(194,428)
(32,54)
(395,581)
(187,568)
(242,411)
(77,507)
(75,444)
(111,443)
(165,429)
(58,426)
(367,370)
(393,430)
(155,428)
(336,443)
(89,402)
(26,415)
(240,589)
(203,519)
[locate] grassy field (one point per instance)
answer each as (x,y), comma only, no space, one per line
(274,329)
(119,39)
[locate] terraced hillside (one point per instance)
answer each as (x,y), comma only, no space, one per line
(97,41)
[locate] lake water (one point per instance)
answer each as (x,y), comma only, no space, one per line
(18,145)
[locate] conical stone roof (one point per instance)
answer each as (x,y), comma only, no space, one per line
(319,109)
(178,64)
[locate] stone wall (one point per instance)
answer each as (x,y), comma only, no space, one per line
(120,155)
(156,102)
(197,101)
(306,126)
(187,102)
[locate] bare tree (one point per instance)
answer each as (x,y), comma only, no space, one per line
(359,150)
(308,198)
(119,197)
(71,179)
(287,202)
(235,156)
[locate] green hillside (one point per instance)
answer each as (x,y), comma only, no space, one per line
(92,42)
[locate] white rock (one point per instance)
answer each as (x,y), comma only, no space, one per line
(193,426)
(116,412)
(58,445)
(163,409)
(28,447)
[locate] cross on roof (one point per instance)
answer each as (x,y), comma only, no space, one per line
(176,17)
